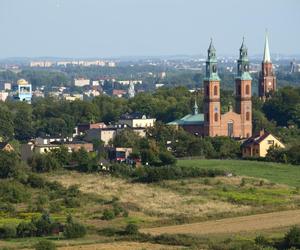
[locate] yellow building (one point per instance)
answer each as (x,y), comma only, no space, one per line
(258,146)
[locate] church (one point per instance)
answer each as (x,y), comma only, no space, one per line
(237,122)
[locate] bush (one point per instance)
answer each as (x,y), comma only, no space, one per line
(74,230)
(25,229)
(8,231)
(44,163)
(72,202)
(167,158)
(262,241)
(35,181)
(14,192)
(108,214)
(292,238)
(8,164)
(131,229)
(45,245)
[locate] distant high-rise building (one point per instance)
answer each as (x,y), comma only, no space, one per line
(24,91)
(131,91)
(267,79)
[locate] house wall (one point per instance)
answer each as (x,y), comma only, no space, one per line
(268,142)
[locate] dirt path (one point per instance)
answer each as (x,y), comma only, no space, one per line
(120,246)
(233,225)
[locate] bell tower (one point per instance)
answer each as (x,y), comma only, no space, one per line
(243,92)
(267,79)
(212,107)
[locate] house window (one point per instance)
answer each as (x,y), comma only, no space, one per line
(247,90)
(215,90)
(216,117)
(271,142)
(248,116)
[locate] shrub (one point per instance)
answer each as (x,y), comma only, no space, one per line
(131,229)
(35,181)
(74,230)
(8,164)
(25,229)
(43,225)
(262,240)
(108,214)
(45,245)
(8,231)
(72,202)
(44,163)
(14,192)
(292,238)
(167,158)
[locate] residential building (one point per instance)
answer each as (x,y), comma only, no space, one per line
(119,154)
(81,82)
(258,145)
(137,120)
(5,146)
(3,96)
(119,92)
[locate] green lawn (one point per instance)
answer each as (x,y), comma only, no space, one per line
(274,172)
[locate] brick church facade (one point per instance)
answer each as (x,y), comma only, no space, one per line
(236,122)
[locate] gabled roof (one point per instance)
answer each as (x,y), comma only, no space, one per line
(3,145)
(256,139)
(189,120)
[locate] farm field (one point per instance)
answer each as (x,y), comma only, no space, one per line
(256,223)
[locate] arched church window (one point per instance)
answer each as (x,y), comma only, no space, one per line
(216,117)
(207,90)
(247,116)
(215,90)
(247,90)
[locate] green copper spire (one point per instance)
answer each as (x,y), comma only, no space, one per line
(211,63)
(243,63)
(195,108)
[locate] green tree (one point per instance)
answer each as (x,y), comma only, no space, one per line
(6,123)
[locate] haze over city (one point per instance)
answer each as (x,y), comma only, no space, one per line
(116,28)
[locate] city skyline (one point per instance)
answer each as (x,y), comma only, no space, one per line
(78,29)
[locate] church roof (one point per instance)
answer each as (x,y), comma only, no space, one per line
(267,57)
(190,119)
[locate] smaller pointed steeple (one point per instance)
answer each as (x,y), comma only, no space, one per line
(195,108)
(211,46)
(267,57)
(243,46)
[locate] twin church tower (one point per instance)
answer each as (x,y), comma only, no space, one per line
(238,122)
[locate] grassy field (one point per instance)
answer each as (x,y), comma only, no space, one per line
(255,188)
(274,172)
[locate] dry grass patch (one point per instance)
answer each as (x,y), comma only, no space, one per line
(151,199)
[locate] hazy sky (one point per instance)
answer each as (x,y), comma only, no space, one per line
(109,28)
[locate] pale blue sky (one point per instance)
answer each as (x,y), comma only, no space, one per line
(109,28)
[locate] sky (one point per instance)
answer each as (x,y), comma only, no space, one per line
(121,28)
